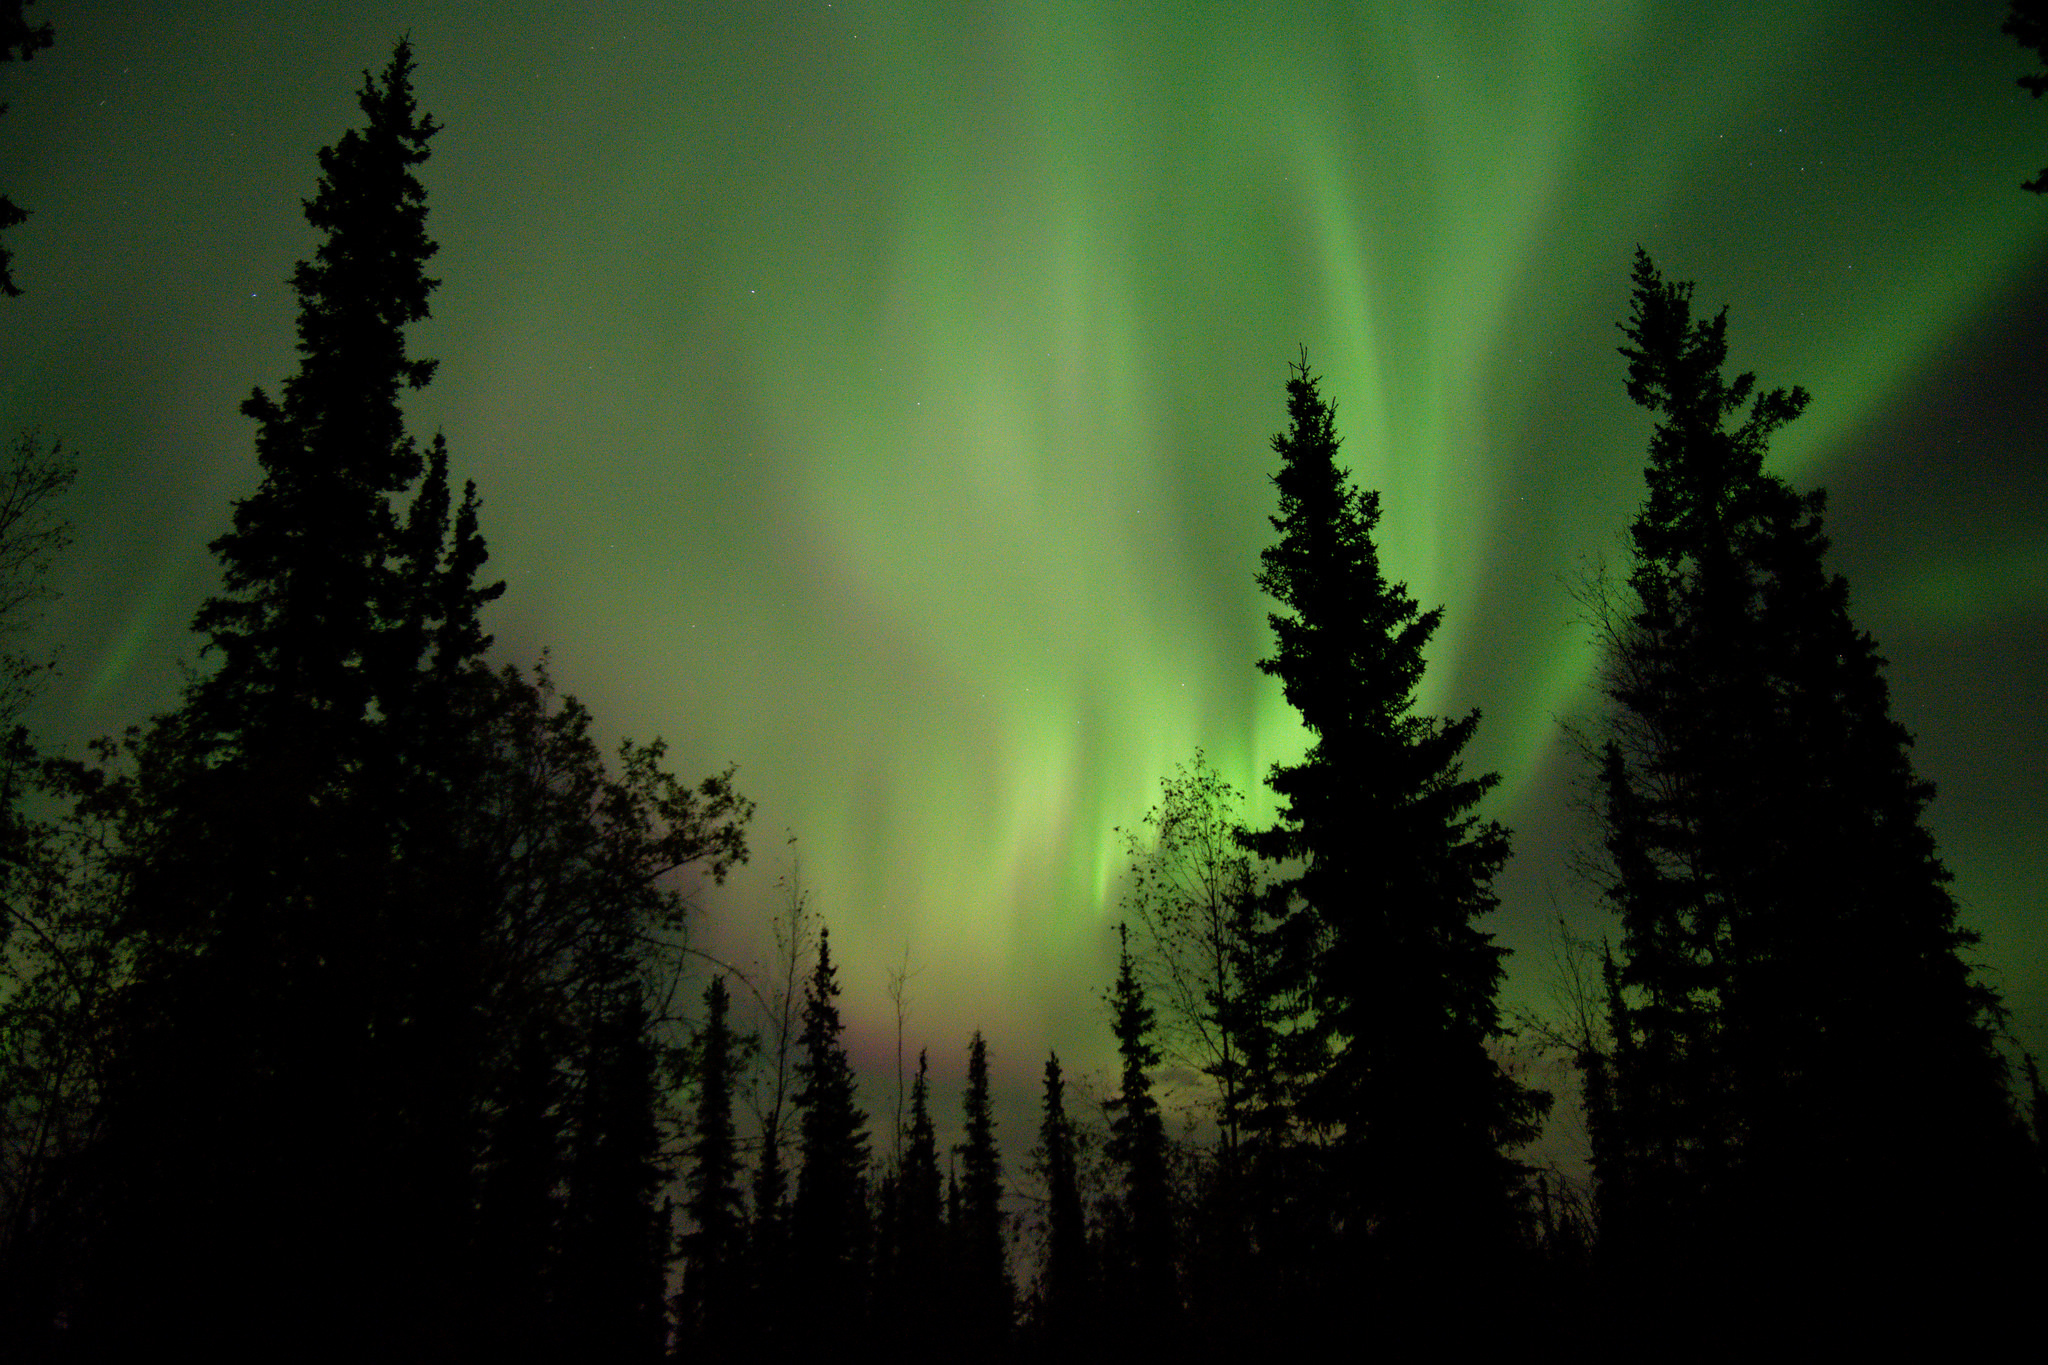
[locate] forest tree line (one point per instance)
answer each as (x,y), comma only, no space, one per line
(344,1011)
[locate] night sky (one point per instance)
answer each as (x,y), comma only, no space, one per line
(879,395)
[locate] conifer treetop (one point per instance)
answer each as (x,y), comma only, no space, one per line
(308,565)
(1349,639)
(1702,472)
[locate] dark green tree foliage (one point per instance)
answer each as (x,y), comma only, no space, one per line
(2027,24)
(55,948)
(1066,1286)
(571,862)
(713,1246)
(1802,1062)
(570,865)
(48,993)
(986,1295)
(19,39)
(829,1223)
(1389,870)
(1138,1274)
(952,1204)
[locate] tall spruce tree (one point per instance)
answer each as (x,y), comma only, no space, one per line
(1065,1284)
(987,1298)
(379,1052)
(292,1035)
(708,1307)
(1804,1070)
(1387,870)
(1139,1284)
(1269,1227)
(920,1245)
(829,1222)
(768,1267)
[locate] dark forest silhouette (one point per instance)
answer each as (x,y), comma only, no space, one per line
(343,1012)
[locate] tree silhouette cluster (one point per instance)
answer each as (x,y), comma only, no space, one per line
(337,993)
(340,1012)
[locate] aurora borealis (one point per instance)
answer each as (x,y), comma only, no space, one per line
(878,395)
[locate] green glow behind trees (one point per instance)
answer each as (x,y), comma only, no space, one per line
(800,299)
(348,713)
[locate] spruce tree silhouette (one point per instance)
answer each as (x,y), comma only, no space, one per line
(1386,870)
(278,1037)
(1140,1288)
(1268,1231)
(1066,1284)
(1794,1025)
(518,1218)
(920,1229)
(708,1306)
(1209,948)
(987,1305)
(829,1222)
(564,864)
(381,1046)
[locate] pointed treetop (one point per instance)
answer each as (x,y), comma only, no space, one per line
(1348,647)
(1701,471)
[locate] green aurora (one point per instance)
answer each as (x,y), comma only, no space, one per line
(878,395)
